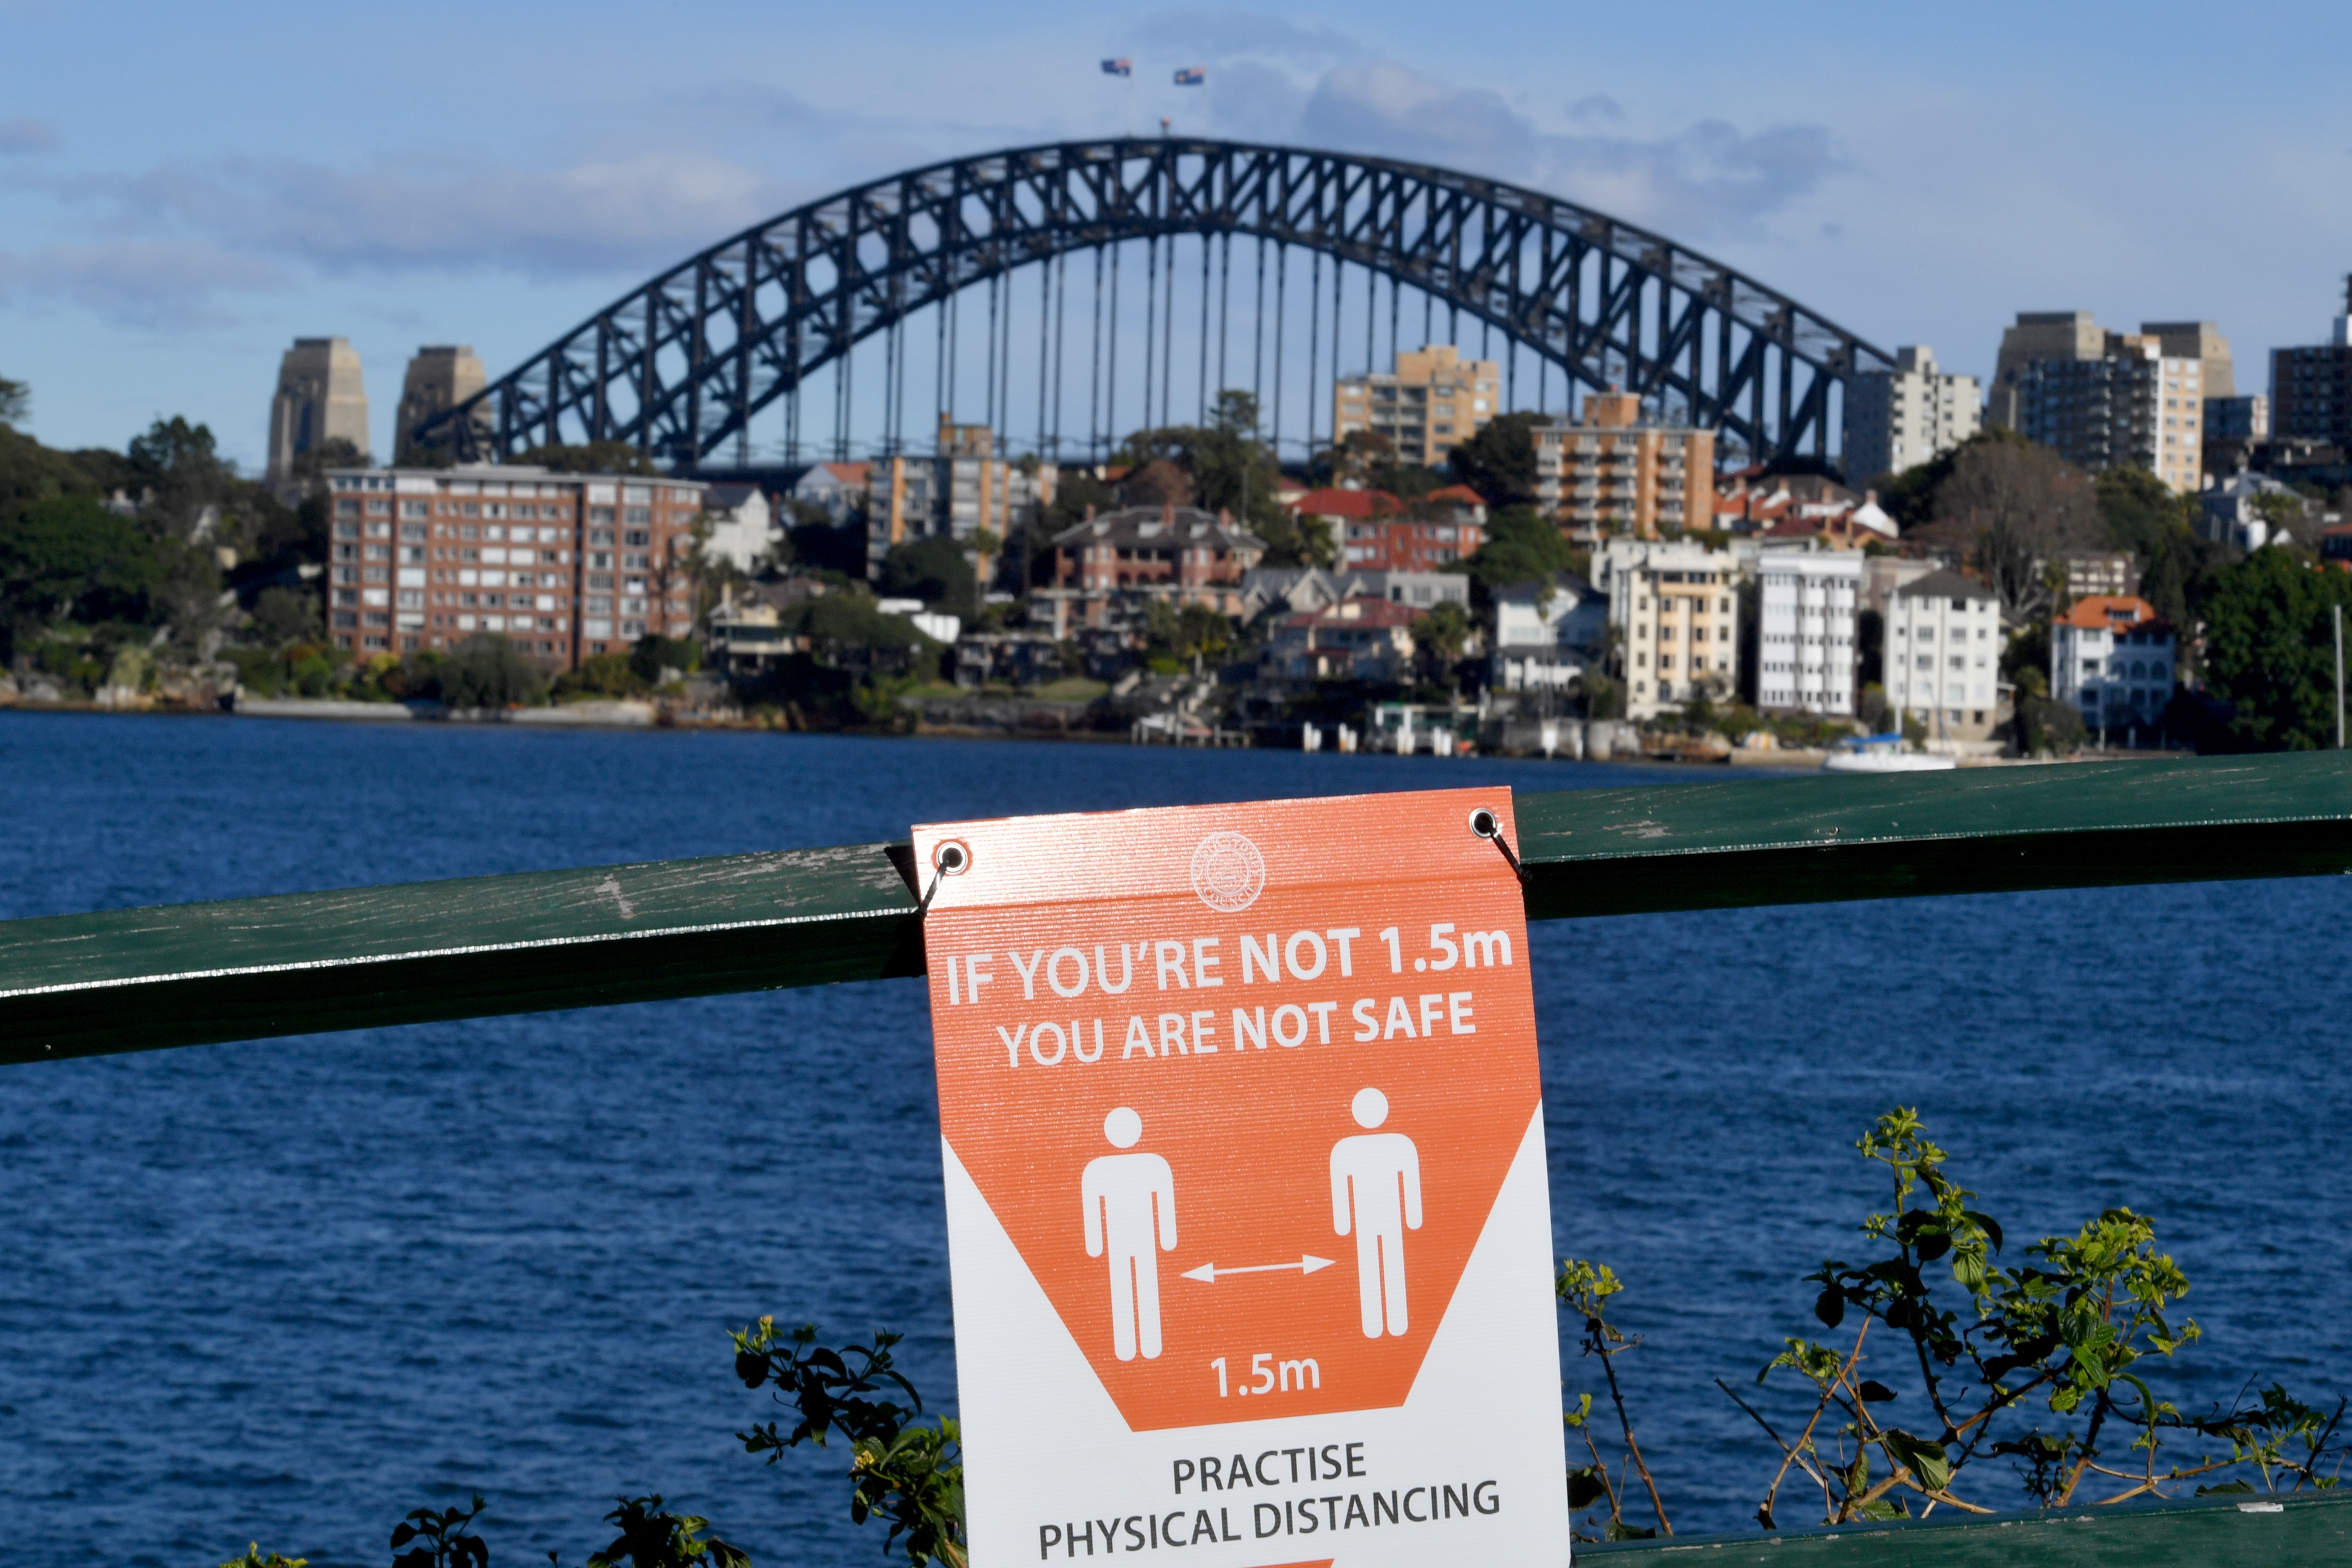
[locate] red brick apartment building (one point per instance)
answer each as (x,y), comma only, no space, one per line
(1106,569)
(564,566)
(1376,533)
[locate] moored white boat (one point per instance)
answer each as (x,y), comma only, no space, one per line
(1882,754)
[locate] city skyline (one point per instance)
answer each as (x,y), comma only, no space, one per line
(187,195)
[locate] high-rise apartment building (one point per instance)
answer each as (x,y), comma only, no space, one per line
(1900,418)
(2038,336)
(1431,402)
(1676,612)
(2071,335)
(564,566)
(1615,473)
(2246,418)
(321,398)
(2311,388)
(439,379)
(1808,605)
(2134,407)
(960,490)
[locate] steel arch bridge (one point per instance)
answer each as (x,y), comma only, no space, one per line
(679,366)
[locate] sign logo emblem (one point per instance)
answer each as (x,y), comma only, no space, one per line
(1228,873)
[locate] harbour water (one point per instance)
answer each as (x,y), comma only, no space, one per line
(287,1290)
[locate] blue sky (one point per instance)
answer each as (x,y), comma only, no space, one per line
(184,189)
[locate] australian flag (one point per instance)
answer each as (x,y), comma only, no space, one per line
(1119,68)
(1191,76)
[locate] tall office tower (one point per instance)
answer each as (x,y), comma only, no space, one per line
(321,398)
(2039,336)
(2311,388)
(1433,399)
(1900,418)
(439,379)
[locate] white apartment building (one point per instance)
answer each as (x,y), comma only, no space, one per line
(1807,606)
(1943,655)
(2111,656)
(1900,418)
(1676,615)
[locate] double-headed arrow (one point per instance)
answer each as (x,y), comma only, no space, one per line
(1209,1273)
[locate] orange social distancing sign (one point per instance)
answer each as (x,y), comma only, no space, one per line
(1248,1213)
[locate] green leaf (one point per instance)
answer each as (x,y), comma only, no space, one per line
(1585,1488)
(1926,1462)
(1874,1391)
(2225,1487)
(1830,1308)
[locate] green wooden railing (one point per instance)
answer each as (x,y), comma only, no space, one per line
(78,985)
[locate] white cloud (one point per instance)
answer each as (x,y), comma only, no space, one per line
(639,211)
(136,282)
(27,134)
(1706,180)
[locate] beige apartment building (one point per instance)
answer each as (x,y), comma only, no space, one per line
(1431,402)
(564,566)
(1674,609)
(1614,474)
(961,490)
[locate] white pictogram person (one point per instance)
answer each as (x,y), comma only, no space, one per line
(1376,1192)
(1130,1197)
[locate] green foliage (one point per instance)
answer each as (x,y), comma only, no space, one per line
(1444,630)
(1499,460)
(911,1474)
(15,402)
(652,1539)
(1521,546)
(287,615)
(1584,1289)
(69,556)
(652,653)
(1177,636)
(592,457)
(443,1539)
(1909,498)
(255,1558)
(485,672)
(934,571)
(2269,650)
(2073,1329)
(602,675)
(2048,727)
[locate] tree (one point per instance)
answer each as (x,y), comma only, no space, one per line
(1439,637)
(285,615)
(934,571)
(1499,460)
(1522,546)
(486,672)
(15,402)
(2019,505)
(2269,650)
(68,555)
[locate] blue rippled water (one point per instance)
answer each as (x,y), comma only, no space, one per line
(287,1290)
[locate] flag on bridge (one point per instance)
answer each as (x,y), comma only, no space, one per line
(1191,76)
(1119,68)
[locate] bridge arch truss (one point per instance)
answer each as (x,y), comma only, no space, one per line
(681,366)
